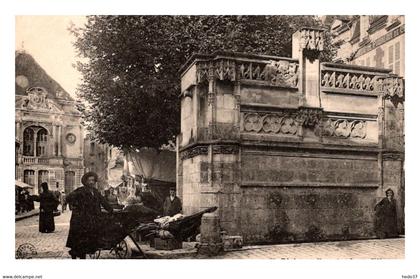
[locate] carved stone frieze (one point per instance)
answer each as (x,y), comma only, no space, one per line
(221,70)
(225,149)
(279,73)
(344,128)
(194,151)
(270,123)
(352,81)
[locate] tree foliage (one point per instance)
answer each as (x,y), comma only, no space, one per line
(130,66)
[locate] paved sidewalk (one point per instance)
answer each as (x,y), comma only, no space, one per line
(52,245)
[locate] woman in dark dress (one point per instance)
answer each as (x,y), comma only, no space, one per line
(386,216)
(85,222)
(47,204)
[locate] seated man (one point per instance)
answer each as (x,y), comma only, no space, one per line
(172,204)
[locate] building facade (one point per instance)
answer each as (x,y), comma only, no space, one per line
(290,149)
(373,41)
(48,127)
(97,157)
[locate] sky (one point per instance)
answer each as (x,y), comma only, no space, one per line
(47,39)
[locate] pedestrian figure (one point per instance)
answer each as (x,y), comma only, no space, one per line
(172,204)
(47,203)
(57,194)
(85,223)
(112,198)
(386,216)
(63,202)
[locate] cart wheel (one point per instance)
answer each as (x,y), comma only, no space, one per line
(95,255)
(122,250)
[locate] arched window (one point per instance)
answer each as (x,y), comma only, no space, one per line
(28,142)
(41,142)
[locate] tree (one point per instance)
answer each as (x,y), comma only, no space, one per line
(130,64)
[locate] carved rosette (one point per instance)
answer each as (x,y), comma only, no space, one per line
(194,151)
(270,123)
(344,128)
(279,73)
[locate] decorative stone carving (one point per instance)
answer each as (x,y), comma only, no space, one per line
(225,70)
(225,149)
(37,100)
(352,81)
(280,73)
(194,151)
(71,138)
(309,117)
(275,123)
(221,70)
(393,87)
(344,128)
(312,39)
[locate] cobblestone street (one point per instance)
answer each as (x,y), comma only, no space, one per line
(52,245)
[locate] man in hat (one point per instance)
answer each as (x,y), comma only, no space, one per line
(172,204)
(86,202)
(386,216)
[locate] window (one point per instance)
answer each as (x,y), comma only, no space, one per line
(42,177)
(394,56)
(391,57)
(29,177)
(92,147)
(397,58)
(41,142)
(28,142)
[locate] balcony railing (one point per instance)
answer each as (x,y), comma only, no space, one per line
(35,160)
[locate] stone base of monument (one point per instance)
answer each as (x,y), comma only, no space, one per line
(210,239)
(166,244)
(210,249)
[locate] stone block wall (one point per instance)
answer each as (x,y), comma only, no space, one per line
(294,214)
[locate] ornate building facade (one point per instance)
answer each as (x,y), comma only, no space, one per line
(373,41)
(48,127)
(97,157)
(290,149)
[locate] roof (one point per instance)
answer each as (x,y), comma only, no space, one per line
(30,74)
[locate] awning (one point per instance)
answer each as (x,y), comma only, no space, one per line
(151,164)
(22,184)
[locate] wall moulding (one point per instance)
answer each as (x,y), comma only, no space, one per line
(306,184)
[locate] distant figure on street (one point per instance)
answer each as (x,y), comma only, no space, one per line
(47,203)
(386,216)
(172,204)
(112,198)
(85,222)
(57,193)
(63,202)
